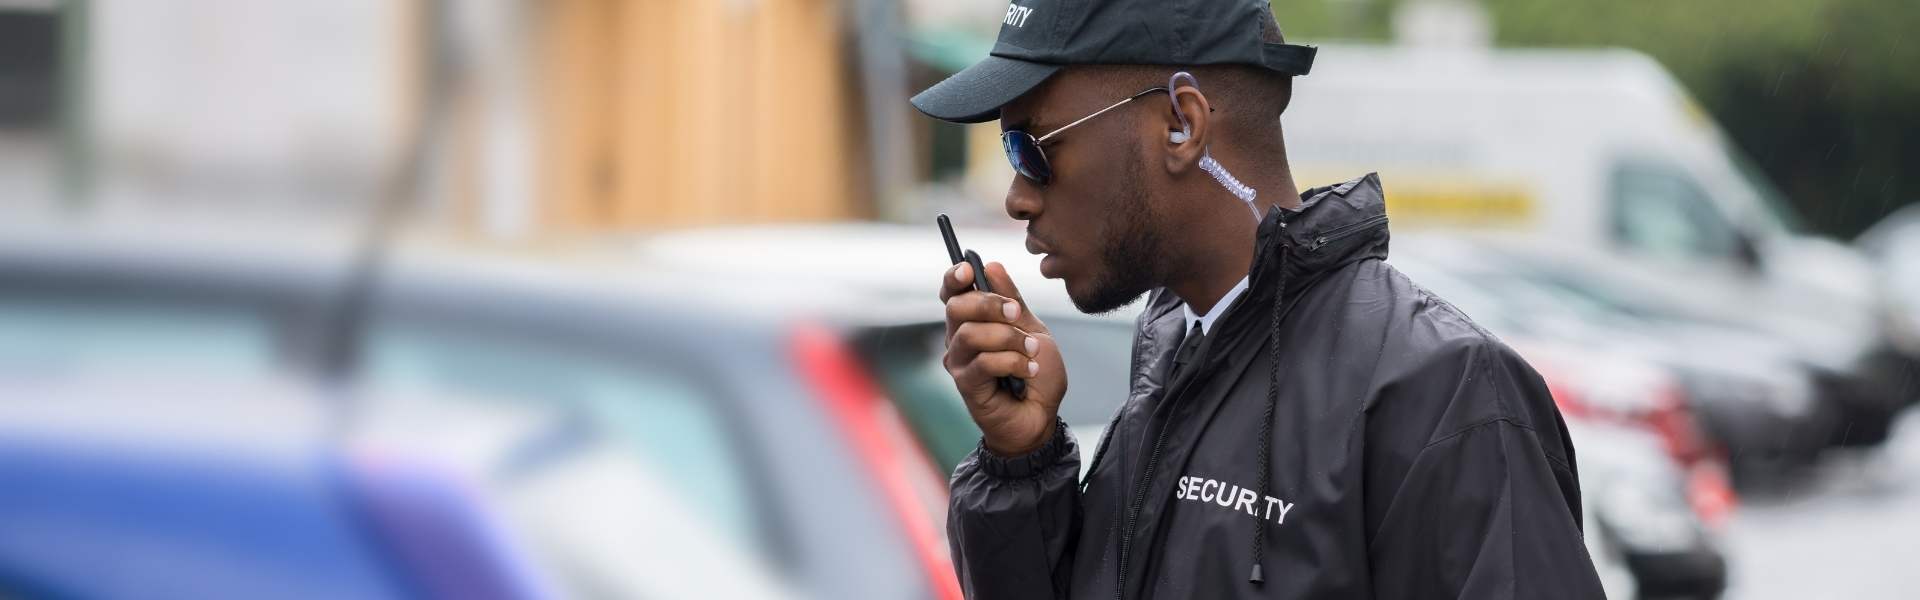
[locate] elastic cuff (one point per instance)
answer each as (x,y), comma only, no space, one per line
(1031,463)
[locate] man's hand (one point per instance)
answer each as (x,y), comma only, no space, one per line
(991,336)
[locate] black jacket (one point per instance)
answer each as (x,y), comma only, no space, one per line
(1340,433)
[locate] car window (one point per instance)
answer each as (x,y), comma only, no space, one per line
(1099,357)
(906,360)
(54,335)
(584,395)
(1661,211)
(1529,294)
(1775,212)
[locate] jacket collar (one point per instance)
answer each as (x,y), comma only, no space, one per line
(1334,225)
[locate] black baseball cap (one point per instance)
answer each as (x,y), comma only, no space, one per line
(1039,37)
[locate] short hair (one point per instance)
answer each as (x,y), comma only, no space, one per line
(1247,98)
(1247,101)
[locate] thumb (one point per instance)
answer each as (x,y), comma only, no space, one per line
(1003,285)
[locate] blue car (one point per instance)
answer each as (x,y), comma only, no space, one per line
(193,490)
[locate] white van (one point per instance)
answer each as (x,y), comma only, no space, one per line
(1592,150)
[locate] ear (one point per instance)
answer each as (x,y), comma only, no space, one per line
(1183,155)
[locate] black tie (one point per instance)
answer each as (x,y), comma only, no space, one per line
(1188,347)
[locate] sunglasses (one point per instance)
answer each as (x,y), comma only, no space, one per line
(1025,153)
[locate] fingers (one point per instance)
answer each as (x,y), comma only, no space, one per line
(964,304)
(982,307)
(982,373)
(1002,282)
(1004,286)
(958,280)
(975,337)
(995,365)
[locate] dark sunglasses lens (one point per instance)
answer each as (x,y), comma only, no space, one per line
(1026,157)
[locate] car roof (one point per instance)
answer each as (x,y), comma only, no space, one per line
(871,271)
(199,250)
(317,263)
(1530,252)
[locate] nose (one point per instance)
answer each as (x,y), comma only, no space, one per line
(1023,199)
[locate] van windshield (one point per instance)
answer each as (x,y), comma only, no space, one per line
(1775,211)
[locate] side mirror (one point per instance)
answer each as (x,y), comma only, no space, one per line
(1746,251)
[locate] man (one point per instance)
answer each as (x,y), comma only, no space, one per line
(1303,422)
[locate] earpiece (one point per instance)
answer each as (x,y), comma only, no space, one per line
(1186,129)
(1244,192)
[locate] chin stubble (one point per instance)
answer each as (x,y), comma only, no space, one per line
(1129,251)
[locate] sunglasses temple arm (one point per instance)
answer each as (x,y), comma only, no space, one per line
(1084,119)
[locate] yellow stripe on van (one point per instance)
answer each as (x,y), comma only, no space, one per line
(1435,198)
(1480,205)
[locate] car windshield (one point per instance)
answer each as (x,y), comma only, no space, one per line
(1776,212)
(584,399)
(54,335)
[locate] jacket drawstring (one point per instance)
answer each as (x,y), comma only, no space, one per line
(1273,398)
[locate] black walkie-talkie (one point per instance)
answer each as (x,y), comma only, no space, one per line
(1013,385)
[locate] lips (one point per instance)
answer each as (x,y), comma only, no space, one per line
(1050,267)
(1050,263)
(1034,246)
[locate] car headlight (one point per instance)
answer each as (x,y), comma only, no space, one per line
(1903,326)
(1647,518)
(1791,395)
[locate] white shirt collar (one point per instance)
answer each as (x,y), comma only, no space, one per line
(1219,308)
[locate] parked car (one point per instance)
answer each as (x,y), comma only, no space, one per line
(1894,243)
(767,418)
(1641,516)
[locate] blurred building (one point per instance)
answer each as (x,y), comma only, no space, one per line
(30,83)
(215,106)
(685,112)
(507,118)
(232,105)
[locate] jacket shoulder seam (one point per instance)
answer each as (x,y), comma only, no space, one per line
(1551,457)
(1486,339)
(1463,430)
(1486,370)
(1485,335)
